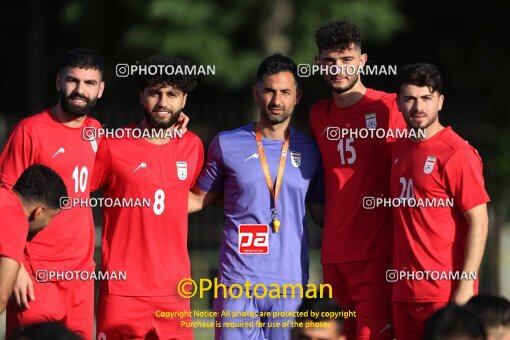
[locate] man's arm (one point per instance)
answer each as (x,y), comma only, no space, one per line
(475,244)
(8,274)
(199,199)
(317,212)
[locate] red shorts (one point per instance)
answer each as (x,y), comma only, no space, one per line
(68,302)
(361,286)
(143,317)
(410,318)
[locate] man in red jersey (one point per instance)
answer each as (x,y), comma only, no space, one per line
(357,243)
(54,138)
(149,243)
(25,209)
(439,243)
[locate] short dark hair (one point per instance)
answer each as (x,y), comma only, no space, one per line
(493,310)
(82,58)
(318,306)
(337,36)
(276,63)
(40,184)
(452,321)
(420,75)
(184,81)
(45,331)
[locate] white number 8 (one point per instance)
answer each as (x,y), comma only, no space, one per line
(159,202)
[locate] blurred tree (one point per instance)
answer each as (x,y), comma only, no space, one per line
(235,36)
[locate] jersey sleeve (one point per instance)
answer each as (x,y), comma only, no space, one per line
(200,161)
(102,166)
(316,190)
(18,154)
(212,178)
(464,178)
(396,122)
(13,235)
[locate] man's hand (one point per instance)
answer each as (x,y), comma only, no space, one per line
(198,199)
(182,122)
(24,289)
(463,293)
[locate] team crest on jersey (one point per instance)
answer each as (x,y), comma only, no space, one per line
(182,170)
(93,143)
(371,121)
(429,164)
(295,158)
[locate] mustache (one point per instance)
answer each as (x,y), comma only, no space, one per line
(276,107)
(415,112)
(163,109)
(78,96)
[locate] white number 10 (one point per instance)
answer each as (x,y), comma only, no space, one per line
(80,179)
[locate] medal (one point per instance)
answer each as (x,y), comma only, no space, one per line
(279,177)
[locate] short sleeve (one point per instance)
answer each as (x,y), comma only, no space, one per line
(464,178)
(13,234)
(200,161)
(212,178)
(18,154)
(102,166)
(396,121)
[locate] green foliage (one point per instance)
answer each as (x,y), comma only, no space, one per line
(231,36)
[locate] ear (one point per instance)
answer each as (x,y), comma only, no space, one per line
(38,210)
(299,94)
(184,97)
(141,97)
(255,92)
(101,89)
(363,58)
(317,59)
(440,102)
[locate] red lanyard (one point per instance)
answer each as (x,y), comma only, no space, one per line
(279,177)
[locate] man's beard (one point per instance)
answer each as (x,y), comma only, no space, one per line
(156,123)
(272,119)
(416,125)
(345,88)
(65,103)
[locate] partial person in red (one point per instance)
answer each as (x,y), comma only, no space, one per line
(54,138)
(149,243)
(445,234)
(25,209)
(357,243)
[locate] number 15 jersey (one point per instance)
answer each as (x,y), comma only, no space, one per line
(145,220)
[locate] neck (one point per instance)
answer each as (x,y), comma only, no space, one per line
(144,125)
(65,118)
(273,131)
(350,97)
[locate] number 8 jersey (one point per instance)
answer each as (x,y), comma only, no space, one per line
(145,215)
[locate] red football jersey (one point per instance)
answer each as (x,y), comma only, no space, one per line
(13,225)
(431,236)
(353,169)
(67,243)
(149,243)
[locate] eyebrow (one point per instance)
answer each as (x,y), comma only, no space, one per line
(275,90)
(90,81)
